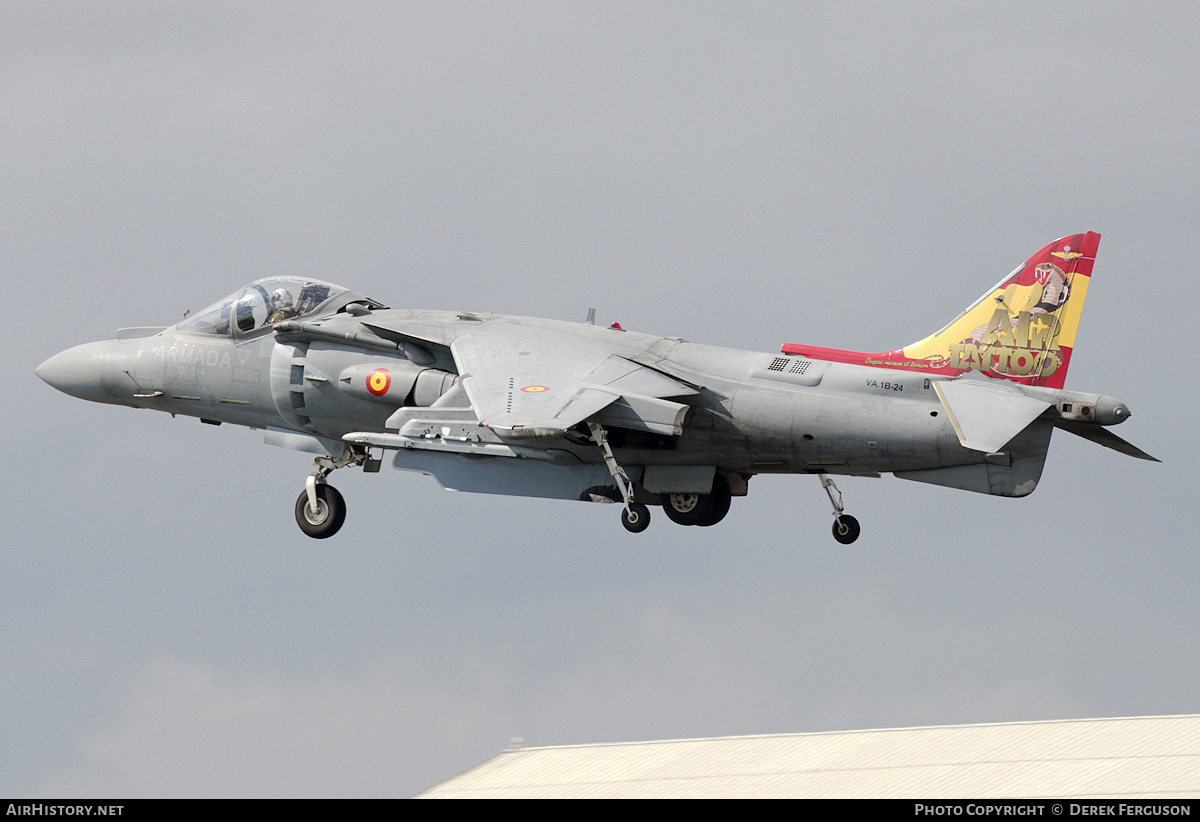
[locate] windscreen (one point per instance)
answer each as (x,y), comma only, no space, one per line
(261,304)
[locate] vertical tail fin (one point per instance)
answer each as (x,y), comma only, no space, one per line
(1022,330)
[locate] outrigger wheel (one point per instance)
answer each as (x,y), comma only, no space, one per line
(328,516)
(635,517)
(845,527)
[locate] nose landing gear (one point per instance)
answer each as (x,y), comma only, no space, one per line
(321,509)
(324,518)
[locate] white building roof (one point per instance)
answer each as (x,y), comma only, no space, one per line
(1136,757)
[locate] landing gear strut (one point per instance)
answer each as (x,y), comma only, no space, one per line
(321,509)
(845,527)
(636,516)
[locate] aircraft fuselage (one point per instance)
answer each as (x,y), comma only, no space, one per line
(747,418)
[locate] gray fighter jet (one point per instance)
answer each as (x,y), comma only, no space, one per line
(569,410)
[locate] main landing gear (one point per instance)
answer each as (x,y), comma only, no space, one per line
(321,509)
(700,509)
(845,527)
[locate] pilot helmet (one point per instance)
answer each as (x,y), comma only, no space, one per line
(281,298)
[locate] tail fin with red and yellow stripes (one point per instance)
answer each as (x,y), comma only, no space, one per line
(1022,330)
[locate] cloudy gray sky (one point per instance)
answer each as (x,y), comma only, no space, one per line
(743,174)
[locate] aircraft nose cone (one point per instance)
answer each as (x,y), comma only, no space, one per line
(78,371)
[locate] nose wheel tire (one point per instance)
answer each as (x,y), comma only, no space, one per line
(845,529)
(327,518)
(636,517)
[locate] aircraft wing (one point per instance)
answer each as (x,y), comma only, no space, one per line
(531,381)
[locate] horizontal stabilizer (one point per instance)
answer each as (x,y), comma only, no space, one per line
(986,415)
(1098,434)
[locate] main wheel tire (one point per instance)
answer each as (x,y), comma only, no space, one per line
(636,518)
(845,529)
(721,498)
(329,516)
(688,509)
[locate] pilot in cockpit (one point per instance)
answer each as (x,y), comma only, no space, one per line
(282,306)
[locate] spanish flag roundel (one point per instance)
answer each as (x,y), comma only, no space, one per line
(379,381)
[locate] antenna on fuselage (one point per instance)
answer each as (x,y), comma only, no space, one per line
(591,320)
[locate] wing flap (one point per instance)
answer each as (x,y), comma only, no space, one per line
(645,414)
(533,419)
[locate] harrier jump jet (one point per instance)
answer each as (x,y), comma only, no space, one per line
(567,410)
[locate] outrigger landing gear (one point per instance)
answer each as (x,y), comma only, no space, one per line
(321,509)
(845,527)
(635,516)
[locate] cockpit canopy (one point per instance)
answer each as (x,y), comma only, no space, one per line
(262,304)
